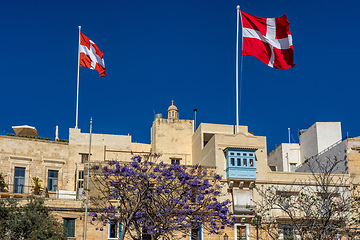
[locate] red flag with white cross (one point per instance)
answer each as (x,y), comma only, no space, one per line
(91,56)
(268,39)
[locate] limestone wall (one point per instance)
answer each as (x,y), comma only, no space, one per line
(172,139)
(37,157)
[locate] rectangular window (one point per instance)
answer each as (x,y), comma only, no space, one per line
(240,232)
(232,161)
(53,180)
(251,162)
(238,161)
(84,157)
(196,233)
(69,225)
(175,161)
(292,167)
(81,179)
(245,162)
(114,230)
(19,180)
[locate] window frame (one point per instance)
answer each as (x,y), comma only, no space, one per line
(66,222)
(19,186)
(117,230)
(80,179)
(200,236)
(175,161)
(84,157)
(291,165)
(246,157)
(247,233)
(54,187)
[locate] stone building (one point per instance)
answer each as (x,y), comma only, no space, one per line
(239,157)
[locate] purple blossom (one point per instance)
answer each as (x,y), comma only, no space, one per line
(194,183)
(112,162)
(171,187)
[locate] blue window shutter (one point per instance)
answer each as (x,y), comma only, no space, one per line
(119,230)
(200,232)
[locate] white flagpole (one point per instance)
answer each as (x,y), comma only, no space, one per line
(237,67)
(77,87)
(87,184)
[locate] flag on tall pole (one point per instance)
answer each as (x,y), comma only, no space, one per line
(268,39)
(90,56)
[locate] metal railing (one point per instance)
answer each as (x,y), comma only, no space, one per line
(3,133)
(321,152)
(23,191)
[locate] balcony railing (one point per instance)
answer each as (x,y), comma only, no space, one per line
(241,172)
(23,191)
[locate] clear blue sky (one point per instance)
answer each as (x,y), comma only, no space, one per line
(158,51)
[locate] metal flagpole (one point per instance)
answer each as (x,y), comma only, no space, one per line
(237,67)
(289,134)
(77,87)
(87,184)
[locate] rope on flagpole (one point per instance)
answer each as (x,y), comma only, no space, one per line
(237,68)
(77,83)
(241,62)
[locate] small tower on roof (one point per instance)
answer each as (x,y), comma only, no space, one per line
(172,111)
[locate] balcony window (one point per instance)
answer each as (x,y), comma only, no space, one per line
(53,180)
(19,180)
(240,163)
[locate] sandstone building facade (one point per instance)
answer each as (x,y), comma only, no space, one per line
(239,157)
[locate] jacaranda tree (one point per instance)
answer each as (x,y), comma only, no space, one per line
(145,197)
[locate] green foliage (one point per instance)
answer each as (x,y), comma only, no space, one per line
(30,221)
(37,185)
(3,185)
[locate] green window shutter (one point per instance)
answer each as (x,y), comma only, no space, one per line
(72,228)
(69,224)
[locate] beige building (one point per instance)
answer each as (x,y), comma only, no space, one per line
(239,157)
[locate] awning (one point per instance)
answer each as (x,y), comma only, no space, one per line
(25,130)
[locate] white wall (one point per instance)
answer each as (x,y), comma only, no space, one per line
(318,137)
